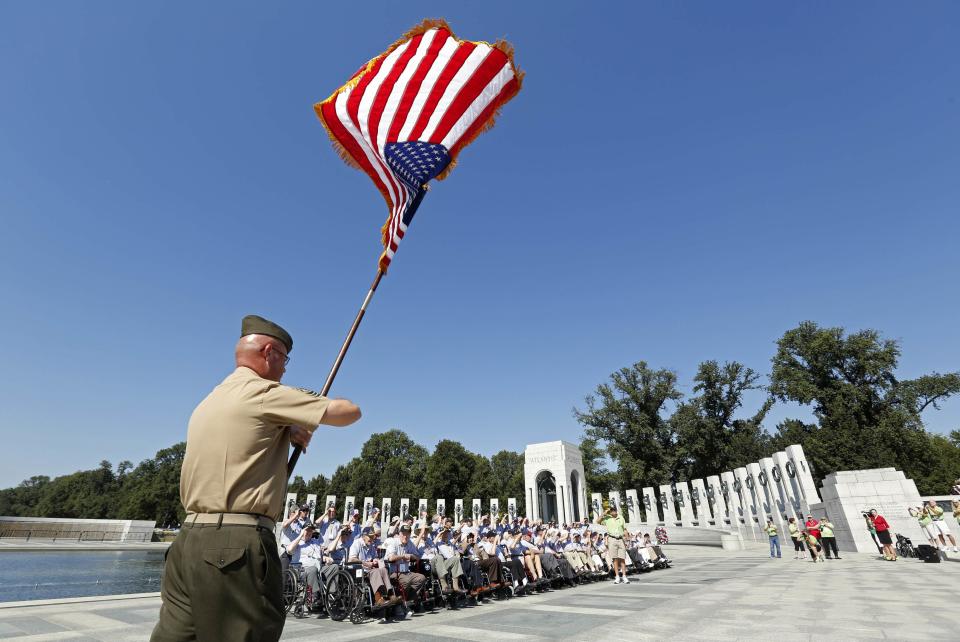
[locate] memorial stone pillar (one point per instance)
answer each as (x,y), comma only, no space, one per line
(477,511)
(760,501)
(291,503)
(613,497)
(457,511)
(331,501)
(804,475)
(596,506)
(777,501)
(701,505)
(633,506)
(423,511)
(494,511)
(367,509)
(666,505)
(404,508)
(789,487)
(385,508)
(685,503)
(651,508)
(728,482)
(512,507)
(745,495)
(312,503)
(717,502)
(442,507)
(348,509)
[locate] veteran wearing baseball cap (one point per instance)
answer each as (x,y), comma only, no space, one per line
(222,578)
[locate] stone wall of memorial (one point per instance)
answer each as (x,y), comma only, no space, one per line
(78,530)
(847,495)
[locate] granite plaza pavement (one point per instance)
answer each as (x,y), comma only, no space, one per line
(709,594)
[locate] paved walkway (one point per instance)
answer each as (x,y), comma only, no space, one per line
(707,595)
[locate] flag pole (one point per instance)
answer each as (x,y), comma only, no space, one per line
(339,360)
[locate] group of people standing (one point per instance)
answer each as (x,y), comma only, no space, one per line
(815,536)
(931,519)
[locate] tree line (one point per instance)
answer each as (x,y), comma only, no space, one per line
(865,416)
(390,464)
(639,430)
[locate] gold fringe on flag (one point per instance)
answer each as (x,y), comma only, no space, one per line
(430,23)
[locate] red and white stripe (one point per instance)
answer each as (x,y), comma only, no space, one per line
(432,88)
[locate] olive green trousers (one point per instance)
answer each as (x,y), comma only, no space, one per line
(221,583)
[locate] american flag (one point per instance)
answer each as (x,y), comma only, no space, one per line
(405,116)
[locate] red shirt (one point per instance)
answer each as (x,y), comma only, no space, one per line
(880,523)
(813,527)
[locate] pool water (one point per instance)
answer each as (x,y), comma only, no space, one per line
(44,575)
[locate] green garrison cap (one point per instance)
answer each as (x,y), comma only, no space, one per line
(252,324)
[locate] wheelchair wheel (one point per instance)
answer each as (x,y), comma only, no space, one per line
(291,583)
(341,600)
(363,603)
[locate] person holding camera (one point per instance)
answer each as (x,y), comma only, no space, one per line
(799,552)
(939,526)
(774,535)
(883,534)
(828,538)
(873,531)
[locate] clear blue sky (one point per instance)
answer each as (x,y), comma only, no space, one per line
(675,182)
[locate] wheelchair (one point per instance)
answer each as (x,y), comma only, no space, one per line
(555,578)
(365,605)
(472,588)
(904,547)
(338,596)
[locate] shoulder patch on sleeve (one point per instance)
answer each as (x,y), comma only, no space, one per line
(309,392)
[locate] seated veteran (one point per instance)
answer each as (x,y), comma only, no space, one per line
(486,551)
(364,550)
(400,553)
(306,552)
(447,560)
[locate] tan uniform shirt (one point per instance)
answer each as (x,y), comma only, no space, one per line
(237,445)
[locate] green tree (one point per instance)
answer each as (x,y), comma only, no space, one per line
(299,486)
(390,465)
(866,416)
(22,500)
(597,477)
(152,489)
(630,417)
(88,493)
(449,471)
(507,479)
(319,486)
(709,436)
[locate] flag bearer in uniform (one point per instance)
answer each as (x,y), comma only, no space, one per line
(222,577)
